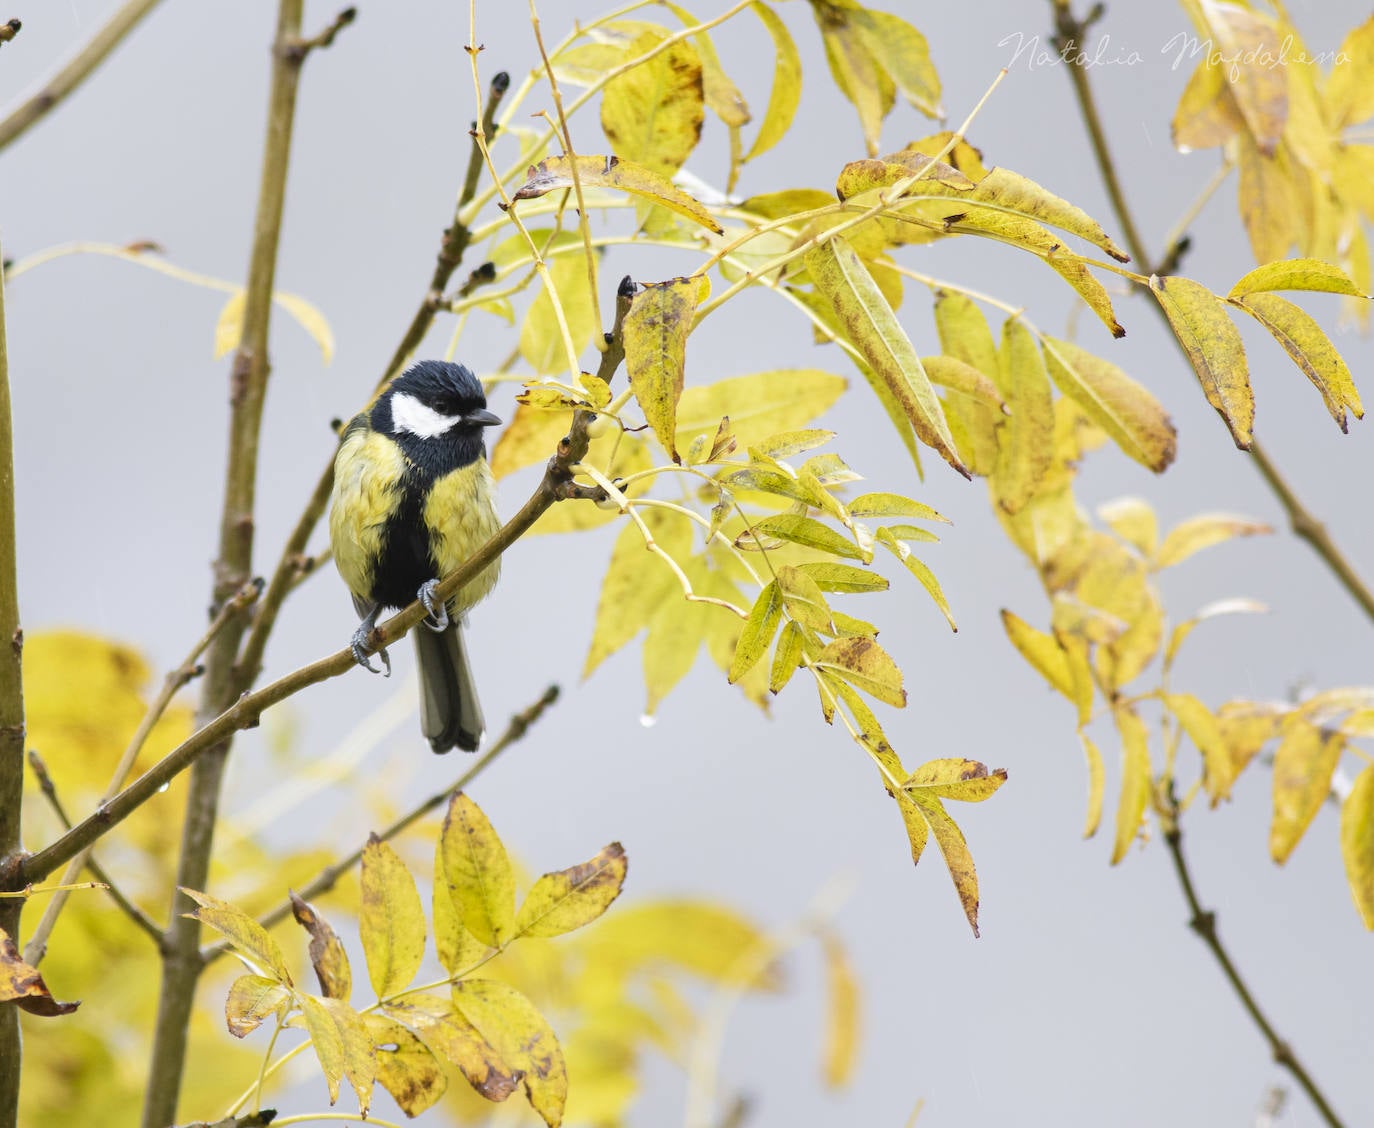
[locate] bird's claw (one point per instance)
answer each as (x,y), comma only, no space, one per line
(438,613)
(359,647)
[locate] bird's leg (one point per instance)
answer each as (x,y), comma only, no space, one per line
(438,613)
(359,644)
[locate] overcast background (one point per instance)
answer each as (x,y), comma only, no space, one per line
(1087,1001)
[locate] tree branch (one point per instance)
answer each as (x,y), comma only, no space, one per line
(36,948)
(75,71)
(224,680)
(12,732)
(132,911)
(556,485)
(1304,525)
(451,250)
(1204,923)
(329,876)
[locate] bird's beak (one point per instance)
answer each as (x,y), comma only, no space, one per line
(481,418)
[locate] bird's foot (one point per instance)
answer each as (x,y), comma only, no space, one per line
(438,613)
(359,647)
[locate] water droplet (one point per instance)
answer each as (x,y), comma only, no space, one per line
(648,720)
(163,788)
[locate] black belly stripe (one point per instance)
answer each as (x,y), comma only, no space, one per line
(405,561)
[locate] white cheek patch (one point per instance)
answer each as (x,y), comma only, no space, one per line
(409,414)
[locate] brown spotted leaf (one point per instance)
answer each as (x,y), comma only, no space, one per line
(655,334)
(391,922)
(21,983)
(567,899)
(555,173)
(406,1067)
(513,1026)
(327,954)
(251,999)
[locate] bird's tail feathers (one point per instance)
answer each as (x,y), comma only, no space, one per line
(450,714)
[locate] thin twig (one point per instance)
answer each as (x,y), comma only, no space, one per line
(452,247)
(556,485)
(37,947)
(132,911)
(326,879)
(12,731)
(1204,923)
(75,71)
(1300,518)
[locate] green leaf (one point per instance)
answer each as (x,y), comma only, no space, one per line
(1214,349)
(802,598)
(892,505)
(1025,440)
(786,657)
(1130,415)
(844,577)
(567,899)
(478,871)
(841,276)
(918,569)
(809,532)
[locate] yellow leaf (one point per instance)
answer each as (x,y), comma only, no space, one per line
(327,954)
(229,325)
(1296,274)
(391,923)
(967,781)
(1312,351)
(901,51)
(1214,349)
(1248,726)
(1132,519)
(841,276)
(567,899)
(248,938)
(1135,779)
(1206,115)
(758,632)
(892,505)
(1357,843)
(843,577)
(788,443)
(653,113)
(457,948)
(309,318)
(863,176)
(541,340)
(1025,438)
(554,173)
(785,95)
(1097,785)
(479,875)
(955,849)
(722,95)
(584,64)
(1074,271)
(1134,419)
(1349,91)
(676,630)
(406,1067)
(1267,205)
(786,657)
(1076,650)
(523,1039)
(327,1041)
(965,336)
(842,1017)
(802,598)
(1304,762)
(1042,651)
(707,940)
(1005,191)
(251,999)
(1204,531)
(451,1035)
(636,585)
(1205,733)
(809,532)
(1245,41)
(961,377)
(759,404)
(655,333)
(920,570)
(866,665)
(856,72)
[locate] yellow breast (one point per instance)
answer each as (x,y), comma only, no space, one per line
(367,475)
(460,514)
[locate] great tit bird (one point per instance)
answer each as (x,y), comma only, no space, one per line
(413,499)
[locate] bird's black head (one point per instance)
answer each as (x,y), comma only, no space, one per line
(437,412)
